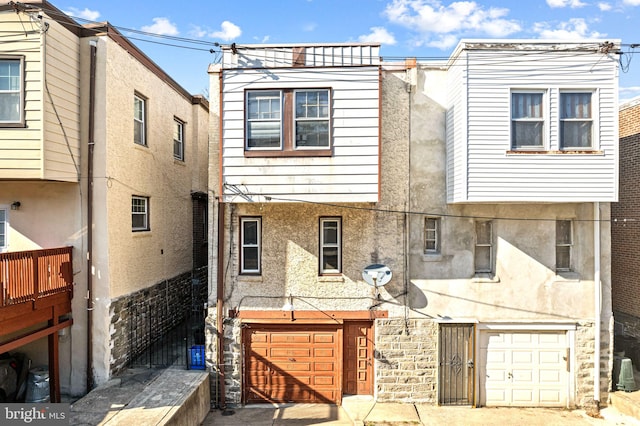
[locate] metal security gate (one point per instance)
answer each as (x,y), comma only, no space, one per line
(455,384)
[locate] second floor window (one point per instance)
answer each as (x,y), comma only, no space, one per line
(484,247)
(527,121)
(139,213)
(11,97)
(330,245)
(431,235)
(288,122)
(139,120)
(178,139)
(3,229)
(250,245)
(576,123)
(564,242)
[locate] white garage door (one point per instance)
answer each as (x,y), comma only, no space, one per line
(525,369)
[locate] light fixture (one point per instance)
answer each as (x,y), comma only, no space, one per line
(15,205)
(288,306)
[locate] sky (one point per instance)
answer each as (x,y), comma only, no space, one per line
(425,29)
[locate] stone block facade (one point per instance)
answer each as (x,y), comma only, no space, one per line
(152,311)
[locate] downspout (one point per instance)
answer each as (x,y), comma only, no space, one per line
(92,94)
(222,402)
(597,304)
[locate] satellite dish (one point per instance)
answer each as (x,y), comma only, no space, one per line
(377,275)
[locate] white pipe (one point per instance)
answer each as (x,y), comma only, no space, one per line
(598,301)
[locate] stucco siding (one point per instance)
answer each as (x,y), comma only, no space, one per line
(350,174)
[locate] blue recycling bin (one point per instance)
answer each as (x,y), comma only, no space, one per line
(196,357)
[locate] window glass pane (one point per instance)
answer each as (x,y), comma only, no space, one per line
(250,259)
(312,133)
(576,134)
(3,228)
(575,105)
(563,257)
(263,106)
(527,133)
(330,232)
(330,258)
(138,109)
(263,134)
(563,232)
(10,75)
(250,232)
(483,258)
(483,232)
(312,104)
(526,105)
(138,132)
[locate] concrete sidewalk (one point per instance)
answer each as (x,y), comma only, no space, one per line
(363,411)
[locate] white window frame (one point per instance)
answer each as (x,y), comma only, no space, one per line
(590,119)
(337,245)
(251,245)
(542,120)
(178,139)
(483,244)
(144,213)
(302,119)
(266,119)
(20,120)
(564,245)
(140,120)
(432,235)
(4,228)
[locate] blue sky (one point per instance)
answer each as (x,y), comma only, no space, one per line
(405,28)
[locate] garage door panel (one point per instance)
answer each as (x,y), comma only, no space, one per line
(523,368)
(292,364)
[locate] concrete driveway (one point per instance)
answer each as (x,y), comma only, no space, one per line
(380,414)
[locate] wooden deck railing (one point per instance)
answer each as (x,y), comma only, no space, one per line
(26,276)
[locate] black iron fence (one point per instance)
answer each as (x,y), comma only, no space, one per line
(165,333)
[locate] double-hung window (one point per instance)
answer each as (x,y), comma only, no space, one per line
(288,122)
(484,247)
(576,122)
(11,92)
(4,225)
(564,242)
(250,245)
(139,120)
(178,139)
(330,245)
(431,235)
(527,120)
(139,213)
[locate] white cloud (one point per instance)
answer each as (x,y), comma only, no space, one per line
(631,2)
(605,7)
(572,29)
(228,31)
(427,17)
(309,27)
(379,35)
(197,31)
(573,4)
(629,93)
(161,26)
(89,15)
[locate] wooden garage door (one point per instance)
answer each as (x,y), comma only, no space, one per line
(526,369)
(288,363)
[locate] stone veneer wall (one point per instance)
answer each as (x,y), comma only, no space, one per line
(232,358)
(585,347)
(406,360)
(163,305)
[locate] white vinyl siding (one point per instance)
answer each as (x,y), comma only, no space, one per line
(483,168)
(350,173)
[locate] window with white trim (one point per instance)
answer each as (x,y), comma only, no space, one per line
(576,122)
(483,256)
(288,122)
(330,245)
(139,120)
(139,213)
(250,245)
(564,243)
(11,91)
(431,235)
(4,228)
(178,139)
(527,120)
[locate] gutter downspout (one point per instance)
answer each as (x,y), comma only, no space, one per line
(222,401)
(597,304)
(92,94)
